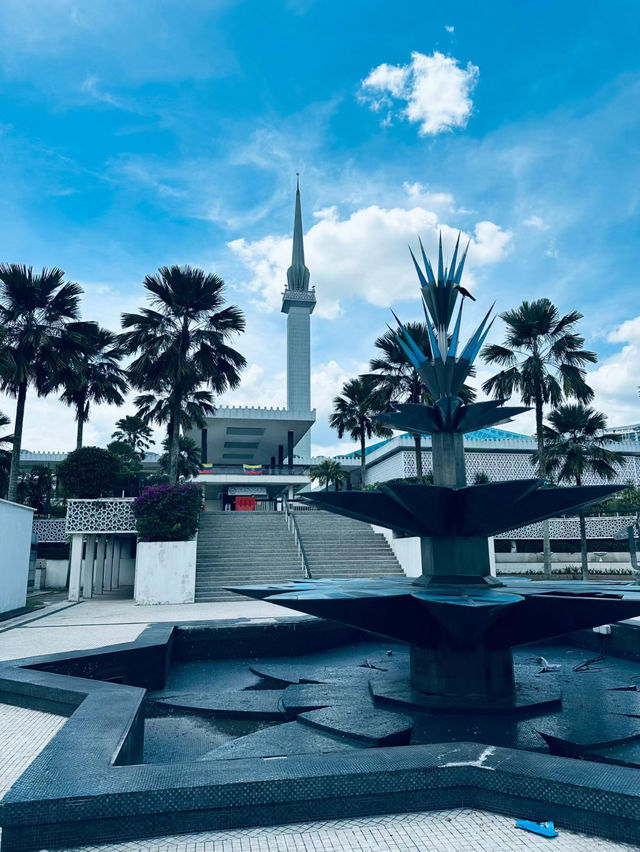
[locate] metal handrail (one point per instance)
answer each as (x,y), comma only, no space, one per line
(292,526)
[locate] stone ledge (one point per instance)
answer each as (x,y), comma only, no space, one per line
(83,787)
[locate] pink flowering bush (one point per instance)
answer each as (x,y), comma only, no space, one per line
(168,512)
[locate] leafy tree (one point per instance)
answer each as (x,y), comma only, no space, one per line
(40,339)
(626,502)
(575,445)
(135,432)
(181,342)
(97,378)
(5,454)
(129,467)
(399,381)
(89,472)
(354,411)
(188,458)
(35,487)
(543,360)
(328,472)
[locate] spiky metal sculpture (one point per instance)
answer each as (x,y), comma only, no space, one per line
(460,622)
(444,372)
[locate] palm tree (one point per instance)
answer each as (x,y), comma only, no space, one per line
(195,407)
(543,361)
(328,472)
(574,445)
(188,458)
(5,454)
(40,340)
(354,411)
(399,381)
(181,341)
(134,431)
(98,378)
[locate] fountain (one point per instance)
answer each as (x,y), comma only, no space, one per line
(460,622)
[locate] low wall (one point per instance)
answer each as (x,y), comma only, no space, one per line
(15,539)
(56,573)
(165,572)
(616,564)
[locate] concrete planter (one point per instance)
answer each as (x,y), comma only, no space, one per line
(165,572)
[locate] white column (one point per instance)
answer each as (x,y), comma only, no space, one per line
(87,568)
(76,567)
(115,574)
(108,564)
(99,581)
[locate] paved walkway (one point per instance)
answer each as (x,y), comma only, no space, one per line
(439,831)
(24,733)
(108,620)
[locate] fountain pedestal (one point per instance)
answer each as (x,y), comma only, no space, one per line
(463,675)
(456,561)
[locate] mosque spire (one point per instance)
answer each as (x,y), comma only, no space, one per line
(298,274)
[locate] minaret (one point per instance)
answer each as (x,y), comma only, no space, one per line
(298,303)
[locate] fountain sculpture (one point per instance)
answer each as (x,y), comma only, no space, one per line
(459,621)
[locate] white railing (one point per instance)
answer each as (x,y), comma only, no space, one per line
(301,507)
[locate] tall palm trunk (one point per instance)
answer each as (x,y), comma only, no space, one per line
(363,467)
(583,539)
(417,440)
(82,416)
(174,441)
(546,539)
(17,442)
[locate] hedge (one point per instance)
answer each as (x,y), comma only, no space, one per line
(168,512)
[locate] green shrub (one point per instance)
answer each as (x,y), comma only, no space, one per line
(168,512)
(89,472)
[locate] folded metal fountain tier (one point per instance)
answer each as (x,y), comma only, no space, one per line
(501,617)
(477,510)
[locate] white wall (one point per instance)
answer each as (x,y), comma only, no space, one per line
(56,571)
(15,543)
(165,572)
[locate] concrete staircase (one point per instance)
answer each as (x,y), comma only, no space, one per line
(245,548)
(341,547)
(241,549)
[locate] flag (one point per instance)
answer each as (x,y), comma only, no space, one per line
(252,468)
(206,468)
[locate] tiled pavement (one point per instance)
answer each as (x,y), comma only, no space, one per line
(24,733)
(440,831)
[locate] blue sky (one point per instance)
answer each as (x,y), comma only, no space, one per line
(140,134)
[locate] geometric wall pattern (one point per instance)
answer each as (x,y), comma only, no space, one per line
(498,466)
(104,515)
(569,528)
(50,531)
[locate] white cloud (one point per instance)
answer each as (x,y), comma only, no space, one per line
(431,91)
(449,29)
(536,222)
(333,450)
(363,255)
(421,195)
(615,381)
